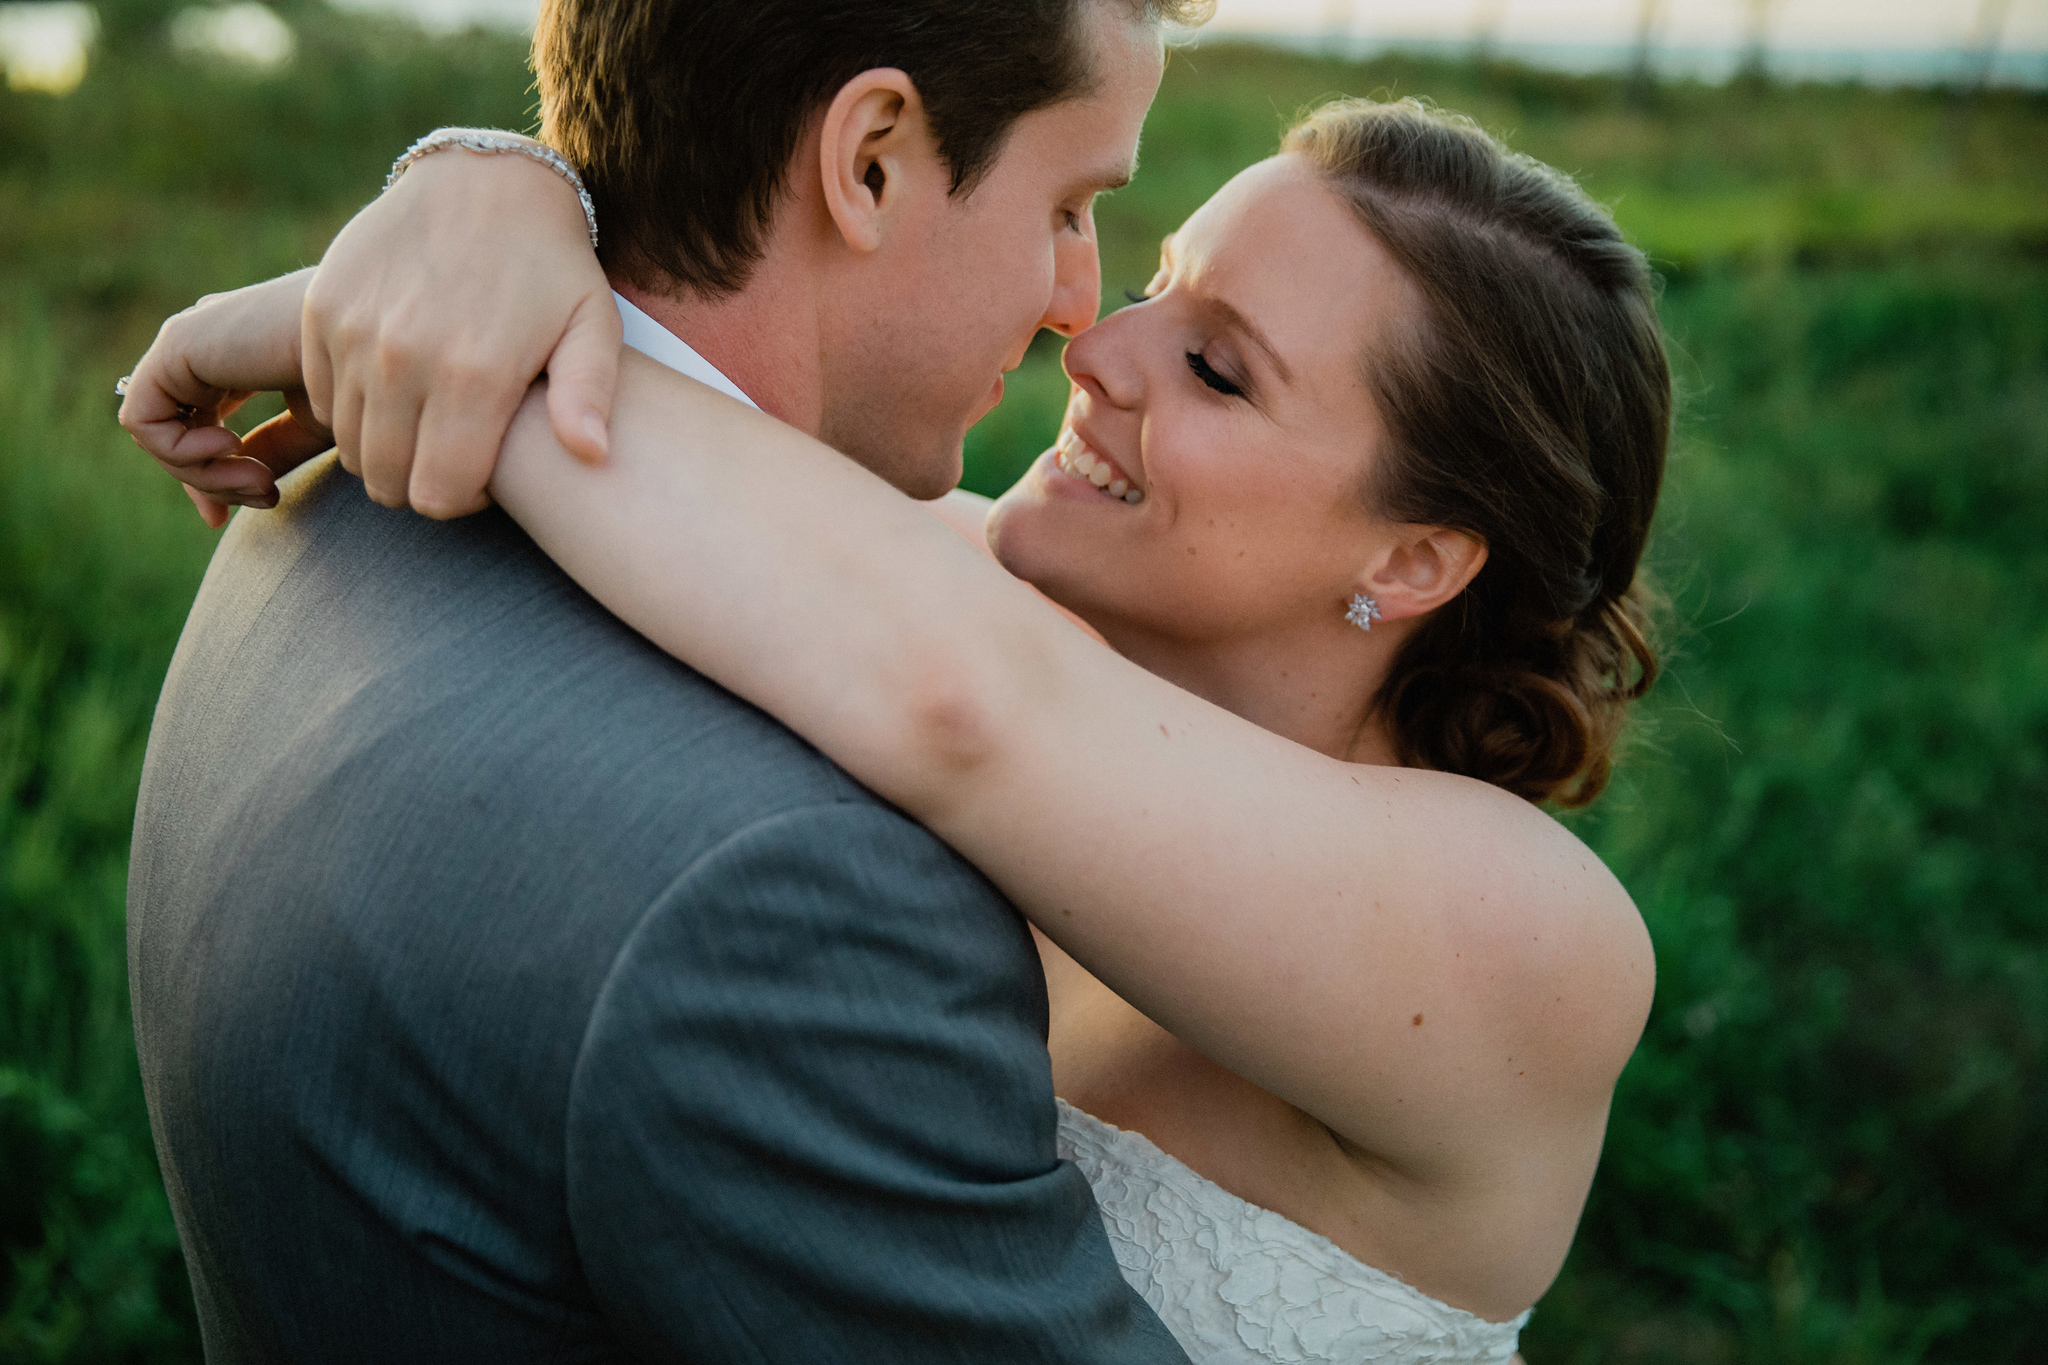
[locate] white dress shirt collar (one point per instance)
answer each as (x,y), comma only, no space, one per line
(659,344)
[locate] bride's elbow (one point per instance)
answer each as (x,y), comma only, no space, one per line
(959,713)
(950,716)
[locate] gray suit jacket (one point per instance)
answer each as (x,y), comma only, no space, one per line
(507,991)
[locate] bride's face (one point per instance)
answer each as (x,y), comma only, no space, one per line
(1233,402)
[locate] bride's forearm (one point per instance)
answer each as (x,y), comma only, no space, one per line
(862,622)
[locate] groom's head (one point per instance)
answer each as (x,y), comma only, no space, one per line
(899,190)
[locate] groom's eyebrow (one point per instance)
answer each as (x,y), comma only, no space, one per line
(1106,179)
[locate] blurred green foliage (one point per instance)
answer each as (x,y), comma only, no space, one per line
(1828,1146)
(1835,813)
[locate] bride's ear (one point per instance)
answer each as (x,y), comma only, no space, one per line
(1425,567)
(872,140)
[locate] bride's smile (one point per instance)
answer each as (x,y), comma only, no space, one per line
(1082,463)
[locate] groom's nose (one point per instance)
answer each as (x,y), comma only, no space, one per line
(1076,281)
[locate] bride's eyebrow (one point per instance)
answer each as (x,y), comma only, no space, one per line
(1239,322)
(1232,318)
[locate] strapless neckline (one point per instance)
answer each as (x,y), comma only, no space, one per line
(1236,1283)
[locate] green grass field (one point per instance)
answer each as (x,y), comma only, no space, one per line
(1834,812)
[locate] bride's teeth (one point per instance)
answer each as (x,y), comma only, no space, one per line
(1073,456)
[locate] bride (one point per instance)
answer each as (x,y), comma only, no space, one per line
(1353,500)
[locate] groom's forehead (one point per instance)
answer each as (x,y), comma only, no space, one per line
(721,100)
(1088,143)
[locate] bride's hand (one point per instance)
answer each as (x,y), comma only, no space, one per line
(204,364)
(435,309)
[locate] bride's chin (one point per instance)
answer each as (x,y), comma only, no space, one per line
(1007,531)
(1041,561)
(1022,530)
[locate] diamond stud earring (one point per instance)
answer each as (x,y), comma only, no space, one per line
(1362,612)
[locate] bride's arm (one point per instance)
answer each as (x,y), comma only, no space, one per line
(1347,937)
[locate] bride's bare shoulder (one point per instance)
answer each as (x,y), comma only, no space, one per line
(1566,947)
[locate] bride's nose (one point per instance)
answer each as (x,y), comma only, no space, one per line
(1104,360)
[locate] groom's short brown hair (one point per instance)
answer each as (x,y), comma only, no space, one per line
(683,114)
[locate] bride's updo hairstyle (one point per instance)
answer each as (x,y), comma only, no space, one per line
(1530,408)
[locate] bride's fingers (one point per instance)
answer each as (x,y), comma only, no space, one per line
(281,445)
(459,436)
(172,415)
(179,445)
(300,406)
(345,420)
(203,365)
(388,434)
(234,481)
(179,421)
(213,510)
(249,477)
(583,376)
(246,473)
(316,365)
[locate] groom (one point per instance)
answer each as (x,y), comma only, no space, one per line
(507,991)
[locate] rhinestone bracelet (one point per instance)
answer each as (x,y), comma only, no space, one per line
(474,140)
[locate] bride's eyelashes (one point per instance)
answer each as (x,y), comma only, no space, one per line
(1205,372)
(1197,362)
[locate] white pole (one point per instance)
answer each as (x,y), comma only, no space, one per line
(1984,42)
(1756,41)
(1338,18)
(1486,21)
(1649,19)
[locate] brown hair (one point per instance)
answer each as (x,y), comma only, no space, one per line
(1531,408)
(683,114)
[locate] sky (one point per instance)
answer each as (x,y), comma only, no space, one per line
(43,45)
(1836,24)
(1839,24)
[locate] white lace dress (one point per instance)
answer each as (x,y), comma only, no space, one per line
(1240,1285)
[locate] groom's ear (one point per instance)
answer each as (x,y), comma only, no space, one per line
(875,148)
